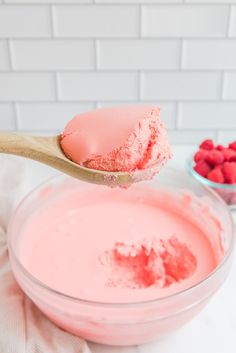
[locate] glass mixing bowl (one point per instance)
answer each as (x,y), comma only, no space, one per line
(121,323)
(226,191)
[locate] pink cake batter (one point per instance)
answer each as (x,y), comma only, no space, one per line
(117,139)
(115,245)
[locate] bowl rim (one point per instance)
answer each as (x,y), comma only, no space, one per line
(51,290)
(206,181)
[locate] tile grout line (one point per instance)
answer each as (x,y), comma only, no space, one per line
(118,71)
(223,74)
(123,37)
(17,116)
(103,101)
(140,83)
(221,93)
(149,100)
(177,116)
(181,54)
(56,83)
(52,21)
(128,3)
(10,54)
(54,73)
(10,57)
(140,21)
(16,122)
(230,15)
(96,56)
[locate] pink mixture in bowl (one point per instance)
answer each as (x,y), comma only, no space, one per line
(118,266)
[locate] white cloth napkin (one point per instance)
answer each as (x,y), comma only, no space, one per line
(23,328)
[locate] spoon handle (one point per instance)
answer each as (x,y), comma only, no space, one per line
(12,143)
(34,147)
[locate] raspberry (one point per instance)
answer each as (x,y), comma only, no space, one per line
(202,168)
(229,154)
(207,145)
(200,155)
(233,158)
(229,171)
(216,175)
(220,147)
(232,145)
(217,163)
(214,157)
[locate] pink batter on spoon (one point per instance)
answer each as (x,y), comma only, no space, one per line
(117,139)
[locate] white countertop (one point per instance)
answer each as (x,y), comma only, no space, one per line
(213,330)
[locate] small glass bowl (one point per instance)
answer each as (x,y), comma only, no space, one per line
(226,191)
(121,323)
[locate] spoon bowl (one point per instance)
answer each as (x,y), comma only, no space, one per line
(47,150)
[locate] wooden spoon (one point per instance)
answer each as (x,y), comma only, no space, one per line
(47,150)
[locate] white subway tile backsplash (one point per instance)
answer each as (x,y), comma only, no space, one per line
(18,21)
(47,1)
(48,116)
(52,54)
(190,137)
(227,136)
(4,58)
(232,25)
(207,115)
(184,21)
(180,86)
(211,1)
(137,1)
(26,86)
(209,54)
(7,117)
(58,58)
(138,54)
(230,86)
(96,21)
(97,86)
(168,114)
(168,110)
